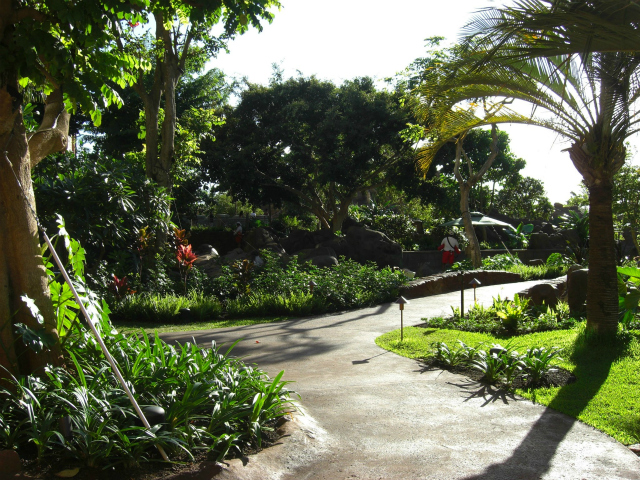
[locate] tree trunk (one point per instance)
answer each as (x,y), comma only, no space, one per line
(474,245)
(602,286)
(21,269)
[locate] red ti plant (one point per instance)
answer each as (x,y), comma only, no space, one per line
(120,286)
(185,258)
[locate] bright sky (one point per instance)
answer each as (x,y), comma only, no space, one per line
(341,39)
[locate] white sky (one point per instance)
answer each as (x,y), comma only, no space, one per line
(341,39)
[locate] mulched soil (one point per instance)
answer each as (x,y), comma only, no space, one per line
(557,378)
(203,466)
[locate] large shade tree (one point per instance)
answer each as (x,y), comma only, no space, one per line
(317,144)
(567,60)
(60,52)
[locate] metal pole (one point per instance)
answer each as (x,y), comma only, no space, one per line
(110,359)
(461,295)
(401,324)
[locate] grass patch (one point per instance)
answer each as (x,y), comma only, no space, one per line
(136,327)
(606,394)
(537,272)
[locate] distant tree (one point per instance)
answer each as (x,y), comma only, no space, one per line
(523,197)
(308,141)
(626,200)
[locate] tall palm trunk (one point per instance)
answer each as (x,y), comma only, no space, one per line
(602,286)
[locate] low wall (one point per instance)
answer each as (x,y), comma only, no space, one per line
(413,260)
(453,281)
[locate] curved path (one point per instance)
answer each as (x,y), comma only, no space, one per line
(371,414)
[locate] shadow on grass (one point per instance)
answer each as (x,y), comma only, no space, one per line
(593,361)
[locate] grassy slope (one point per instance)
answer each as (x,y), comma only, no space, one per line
(606,394)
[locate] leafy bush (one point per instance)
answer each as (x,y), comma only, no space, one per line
(500,364)
(158,308)
(213,402)
(507,318)
(398,227)
(275,288)
(500,262)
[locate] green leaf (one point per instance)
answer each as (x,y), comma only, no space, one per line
(631,300)
(630,271)
(33,308)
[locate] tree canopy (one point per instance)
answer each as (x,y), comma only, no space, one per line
(308,141)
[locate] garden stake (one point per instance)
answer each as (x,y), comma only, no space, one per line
(461,295)
(111,360)
(474,283)
(401,302)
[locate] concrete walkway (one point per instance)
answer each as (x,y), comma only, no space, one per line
(370,414)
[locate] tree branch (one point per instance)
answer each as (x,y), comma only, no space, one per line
(53,134)
(28,12)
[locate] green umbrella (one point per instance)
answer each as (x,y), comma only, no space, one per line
(479,220)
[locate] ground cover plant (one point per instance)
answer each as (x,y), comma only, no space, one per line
(605,393)
(78,416)
(506,318)
(555,266)
(275,289)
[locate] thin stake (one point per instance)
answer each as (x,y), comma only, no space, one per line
(104,348)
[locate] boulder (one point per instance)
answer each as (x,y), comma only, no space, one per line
(547,228)
(350,222)
(298,240)
(370,245)
(339,245)
(256,239)
(208,260)
(541,294)
(425,270)
(311,253)
(535,262)
(577,290)
(235,255)
(206,249)
(324,261)
(539,241)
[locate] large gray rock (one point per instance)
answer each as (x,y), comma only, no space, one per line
(324,261)
(539,241)
(367,245)
(541,294)
(298,240)
(425,270)
(577,290)
(339,245)
(257,239)
(310,253)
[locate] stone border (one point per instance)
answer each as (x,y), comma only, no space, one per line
(452,281)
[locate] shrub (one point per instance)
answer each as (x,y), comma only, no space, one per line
(506,317)
(500,364)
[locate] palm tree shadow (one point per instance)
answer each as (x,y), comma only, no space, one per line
(489,393)
(593,363)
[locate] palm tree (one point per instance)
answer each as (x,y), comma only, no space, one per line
(587,97)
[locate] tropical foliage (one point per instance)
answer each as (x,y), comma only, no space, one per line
(586,96)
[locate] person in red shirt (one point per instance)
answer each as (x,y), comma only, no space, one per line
(449,246)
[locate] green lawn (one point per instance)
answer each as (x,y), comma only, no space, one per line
(606,394)
(136,327)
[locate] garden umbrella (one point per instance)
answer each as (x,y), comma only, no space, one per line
(479,220)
